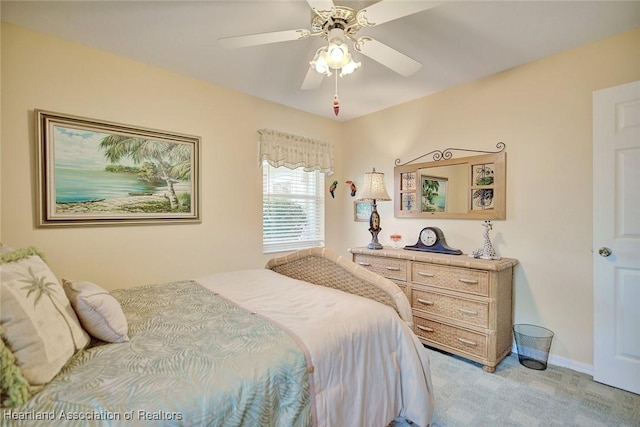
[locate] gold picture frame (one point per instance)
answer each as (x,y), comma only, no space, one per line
(94,172)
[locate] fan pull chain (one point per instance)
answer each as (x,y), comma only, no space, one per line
(336,100)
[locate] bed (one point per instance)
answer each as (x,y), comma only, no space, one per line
(310,340)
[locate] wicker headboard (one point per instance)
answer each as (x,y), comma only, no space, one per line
(327,268)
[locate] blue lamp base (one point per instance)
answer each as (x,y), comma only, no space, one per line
(374,244)
(374,227)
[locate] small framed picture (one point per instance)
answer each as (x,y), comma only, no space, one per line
(434,194)
(361,211)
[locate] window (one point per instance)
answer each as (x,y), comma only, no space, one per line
(292,208)
(293,169)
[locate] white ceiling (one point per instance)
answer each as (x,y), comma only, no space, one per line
(456,41)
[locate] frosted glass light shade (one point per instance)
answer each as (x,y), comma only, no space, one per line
(349,68)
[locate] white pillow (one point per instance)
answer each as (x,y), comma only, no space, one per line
(99,312)
(40,327)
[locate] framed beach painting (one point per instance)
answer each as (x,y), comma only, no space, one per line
(93,172)
(434,194)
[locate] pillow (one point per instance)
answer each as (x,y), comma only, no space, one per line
(14,388)
(40,327)
(99,312)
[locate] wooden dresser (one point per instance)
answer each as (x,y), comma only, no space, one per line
(460,304)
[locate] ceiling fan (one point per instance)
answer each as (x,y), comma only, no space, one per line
(336,24)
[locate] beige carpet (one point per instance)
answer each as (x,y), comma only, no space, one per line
(518,396)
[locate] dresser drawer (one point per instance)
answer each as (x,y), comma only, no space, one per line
(390,268)
(471,312)
(455,278)
(450,336)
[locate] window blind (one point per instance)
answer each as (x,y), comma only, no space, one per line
(292,208)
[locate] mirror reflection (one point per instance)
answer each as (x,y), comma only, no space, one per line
(443,188)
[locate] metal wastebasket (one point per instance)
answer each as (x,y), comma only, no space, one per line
(533,343)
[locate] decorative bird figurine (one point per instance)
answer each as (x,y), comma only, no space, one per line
(353,188)
(332,188)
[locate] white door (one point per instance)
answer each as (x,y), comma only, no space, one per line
(616,236)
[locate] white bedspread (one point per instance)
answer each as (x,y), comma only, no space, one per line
(369,367)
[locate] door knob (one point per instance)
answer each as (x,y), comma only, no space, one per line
(604,251)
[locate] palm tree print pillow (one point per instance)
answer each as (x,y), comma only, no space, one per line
(40,326)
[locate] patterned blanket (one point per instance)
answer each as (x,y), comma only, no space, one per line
(194,359)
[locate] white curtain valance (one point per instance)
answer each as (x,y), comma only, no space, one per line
(293,151)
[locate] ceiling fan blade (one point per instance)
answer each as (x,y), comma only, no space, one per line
(321,5)
(388,10)
(312,80)
(387,56)
(263,38)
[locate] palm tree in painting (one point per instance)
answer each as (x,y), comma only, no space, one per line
(172,160)
(41,287)
(430,189)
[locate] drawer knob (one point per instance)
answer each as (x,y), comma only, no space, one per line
(424,328)
(468,281)
(468,312)
(364,264)
(424,301)
(467,342)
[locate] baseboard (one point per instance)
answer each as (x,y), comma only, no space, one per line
(563,363)
(571,364)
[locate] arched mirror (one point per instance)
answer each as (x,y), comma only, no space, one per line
(471,187)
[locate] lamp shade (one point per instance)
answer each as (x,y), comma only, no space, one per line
(373,187)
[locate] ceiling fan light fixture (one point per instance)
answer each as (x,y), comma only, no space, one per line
(349,67)
(319,62)
(335,24)
(337,51)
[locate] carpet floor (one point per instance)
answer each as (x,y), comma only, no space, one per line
(518,396)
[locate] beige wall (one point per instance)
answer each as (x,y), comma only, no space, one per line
(1,134)
(542,112)
(47,73)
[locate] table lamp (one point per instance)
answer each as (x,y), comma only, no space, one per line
(373,189)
